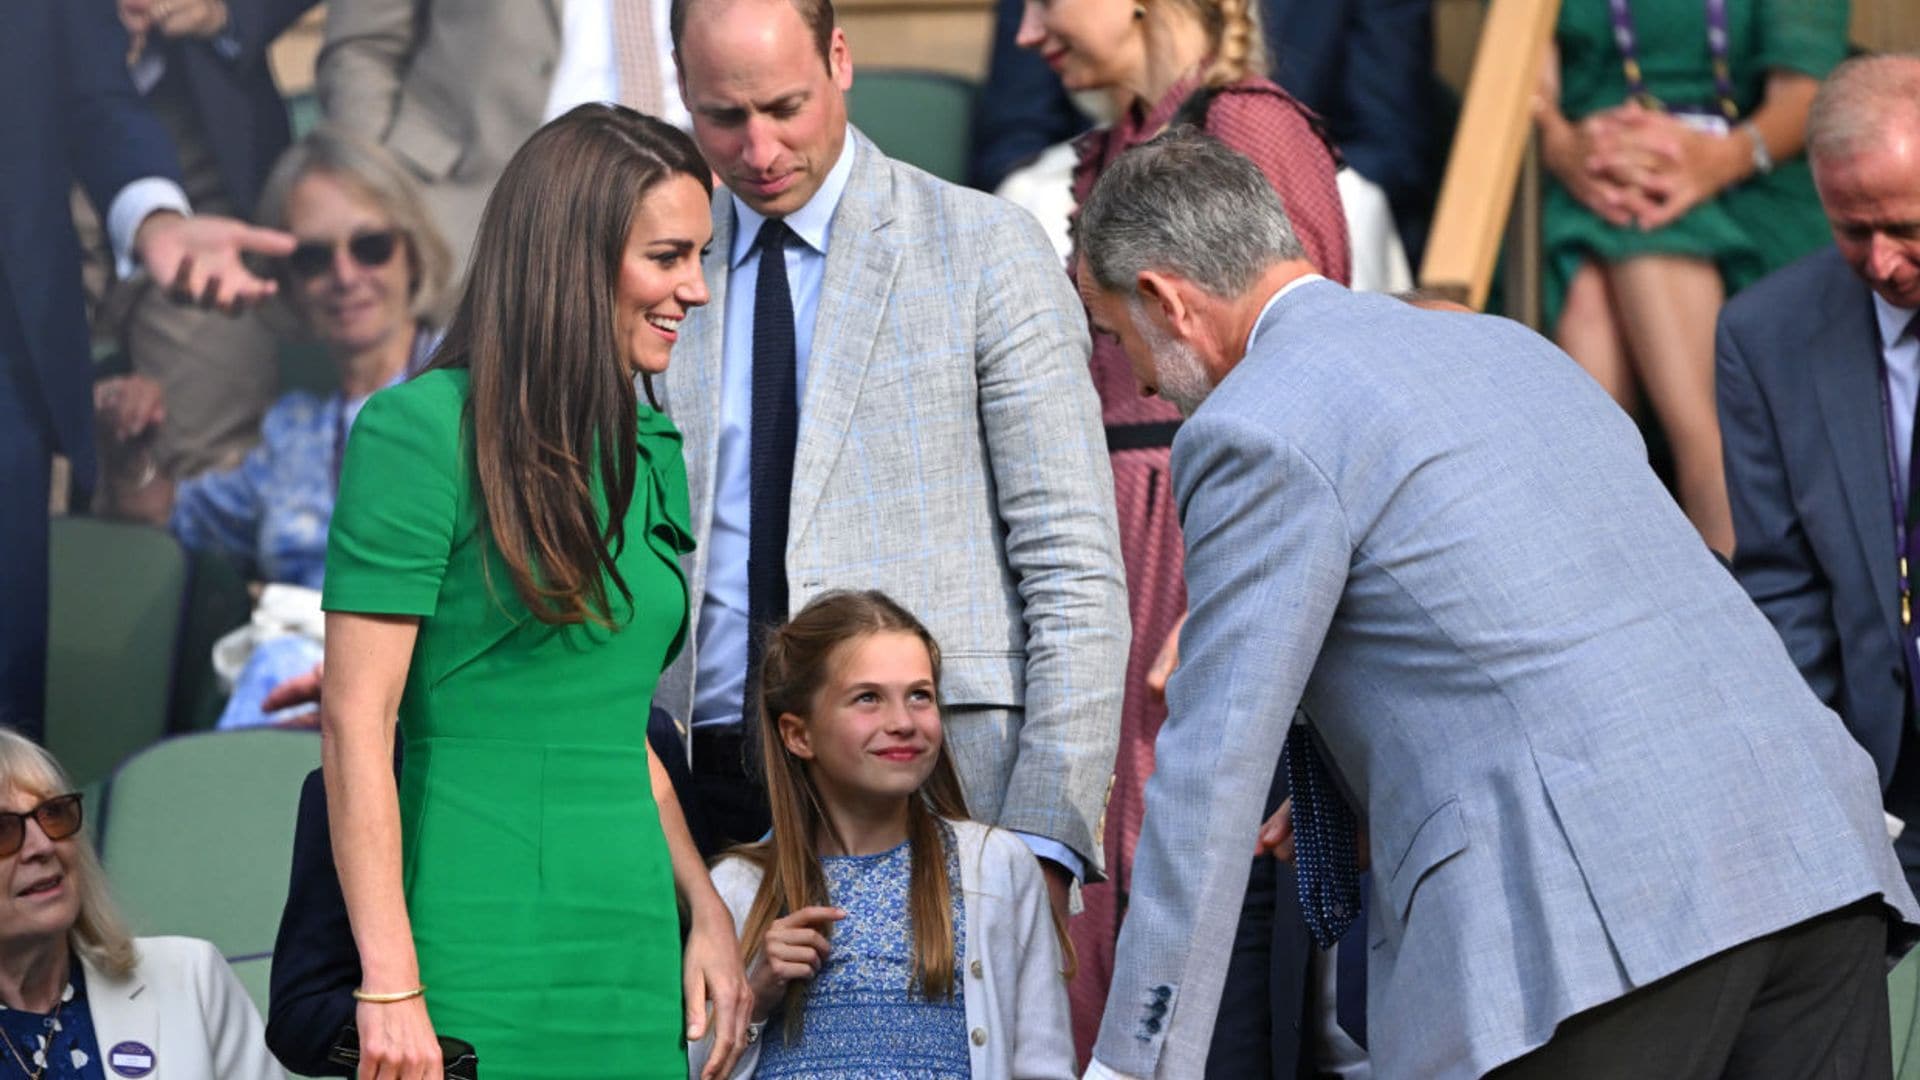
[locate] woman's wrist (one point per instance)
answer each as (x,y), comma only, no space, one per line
(707,910)
(1729,157)
(1556,136)
(387,997)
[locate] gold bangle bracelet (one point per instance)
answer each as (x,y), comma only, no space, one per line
(388,999)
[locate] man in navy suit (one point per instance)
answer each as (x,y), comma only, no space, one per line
(1818,366)
(201,67)
(74,112)
(1366,66)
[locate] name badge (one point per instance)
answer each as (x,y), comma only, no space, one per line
(130,1059)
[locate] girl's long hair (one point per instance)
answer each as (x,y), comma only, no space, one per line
(798,663)
(553,403)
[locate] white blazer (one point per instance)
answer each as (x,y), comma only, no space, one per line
(1015,992)
(181,1015)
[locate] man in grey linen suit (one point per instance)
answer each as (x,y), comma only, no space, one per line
(1816,363)
(949,448)
(453,87)
(1585,761)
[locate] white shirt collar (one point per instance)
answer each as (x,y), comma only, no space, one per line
(1272,300)
(1893,320)
(810,223)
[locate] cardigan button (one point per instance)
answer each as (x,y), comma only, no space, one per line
(976,970)
(979,1036)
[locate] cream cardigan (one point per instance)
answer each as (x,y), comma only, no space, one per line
(1016,997)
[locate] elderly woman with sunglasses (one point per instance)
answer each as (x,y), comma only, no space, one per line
(79,998)
(368,267)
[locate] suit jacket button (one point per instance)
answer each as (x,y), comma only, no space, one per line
(979,1036)
(976,970)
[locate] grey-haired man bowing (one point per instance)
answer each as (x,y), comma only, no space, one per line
(1612,832)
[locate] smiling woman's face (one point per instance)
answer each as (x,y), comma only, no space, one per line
(1090,44)
(660,278)
(41,902)
(358,299)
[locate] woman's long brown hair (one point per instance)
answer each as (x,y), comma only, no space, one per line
(552,400)
(798,664)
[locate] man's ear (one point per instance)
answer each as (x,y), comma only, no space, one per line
(793,734)
(1166,302)
(840,60)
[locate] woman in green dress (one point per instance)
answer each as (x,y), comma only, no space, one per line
(503,583)
(1672,130)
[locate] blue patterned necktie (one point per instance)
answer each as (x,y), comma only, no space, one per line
(774,433)
(1323,842)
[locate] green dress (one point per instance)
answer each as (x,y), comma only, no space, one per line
(536,874)
(1748,230)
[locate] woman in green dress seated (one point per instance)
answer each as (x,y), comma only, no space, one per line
(503,584)
(1672,130)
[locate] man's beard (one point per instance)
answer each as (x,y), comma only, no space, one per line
(1178,374)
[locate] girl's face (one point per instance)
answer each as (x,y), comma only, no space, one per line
(1090,44)
(660,279)
(874,735)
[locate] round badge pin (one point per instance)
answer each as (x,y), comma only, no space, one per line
(130,1059)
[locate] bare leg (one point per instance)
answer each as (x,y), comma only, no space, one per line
(1590,333)
(1668,305)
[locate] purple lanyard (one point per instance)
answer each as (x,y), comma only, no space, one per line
(1903,524)
(1718,44)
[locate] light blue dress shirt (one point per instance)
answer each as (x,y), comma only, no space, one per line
(721,671)
(1901,351)
(721,660)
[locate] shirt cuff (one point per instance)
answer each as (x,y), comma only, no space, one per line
(1098,1071)
(1055,851)
(131,207)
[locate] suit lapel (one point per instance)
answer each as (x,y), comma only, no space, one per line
(1845,347)
(861,264)
(124,1012)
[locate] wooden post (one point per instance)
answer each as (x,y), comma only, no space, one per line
(1496,122)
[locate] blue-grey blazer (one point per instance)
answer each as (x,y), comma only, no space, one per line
(1585,759)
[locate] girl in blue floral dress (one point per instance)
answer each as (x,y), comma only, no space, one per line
(885,935)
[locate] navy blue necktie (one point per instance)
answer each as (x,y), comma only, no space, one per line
(1323,842)
(775,431)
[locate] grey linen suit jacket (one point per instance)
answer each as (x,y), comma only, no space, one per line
(453,89)
(951,454)
(1585,759)
(1799,385)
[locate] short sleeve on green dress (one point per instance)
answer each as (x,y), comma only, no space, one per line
(1808,36)
(392,531)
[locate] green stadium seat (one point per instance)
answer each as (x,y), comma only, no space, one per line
(1903,1000)
(923,118)
(117,592)
(199,834)
(255,974)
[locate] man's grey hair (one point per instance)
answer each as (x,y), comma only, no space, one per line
(1187,205)
(1861,102)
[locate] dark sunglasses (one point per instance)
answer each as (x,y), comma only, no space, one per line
(369,249)
(59,818)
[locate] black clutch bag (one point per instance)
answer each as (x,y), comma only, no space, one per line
(456,1055)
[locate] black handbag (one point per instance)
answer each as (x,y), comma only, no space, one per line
(457,1055)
